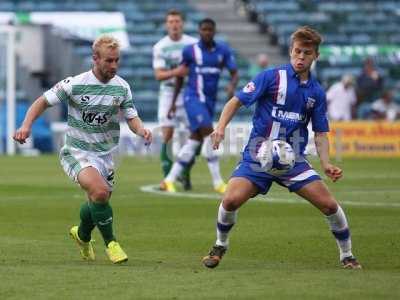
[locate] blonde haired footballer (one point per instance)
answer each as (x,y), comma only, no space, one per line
(95,99)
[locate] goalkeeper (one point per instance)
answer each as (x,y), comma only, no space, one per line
(94,100)
(287,98)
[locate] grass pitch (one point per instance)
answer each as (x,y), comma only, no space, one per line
(280,249)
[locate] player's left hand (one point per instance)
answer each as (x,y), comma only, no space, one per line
(333,172)
(146,135)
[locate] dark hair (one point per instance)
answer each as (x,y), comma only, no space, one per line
(306,35)
(207,21)
(175,12)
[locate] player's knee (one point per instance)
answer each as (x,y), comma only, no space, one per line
(167,134)
(100,194)
(232,201)
(330,208)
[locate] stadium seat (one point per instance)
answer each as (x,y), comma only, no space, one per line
(342,23)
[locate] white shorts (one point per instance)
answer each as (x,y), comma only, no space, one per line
(164,104)
(73,161)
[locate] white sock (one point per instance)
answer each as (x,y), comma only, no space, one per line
(185,155)
(225,221)
(213,163)
(176,170)
(213,166)
(340,229)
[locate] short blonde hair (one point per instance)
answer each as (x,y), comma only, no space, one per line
(306,35)
(105,40)
(175,12)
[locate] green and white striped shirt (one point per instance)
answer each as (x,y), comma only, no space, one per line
(93,110)
(167,54)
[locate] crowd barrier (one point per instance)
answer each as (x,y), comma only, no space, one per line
(347,139)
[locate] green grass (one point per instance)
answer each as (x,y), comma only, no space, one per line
(278,250)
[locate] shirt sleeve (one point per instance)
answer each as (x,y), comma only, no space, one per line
(229,60)
(60,92)
(127,107)
(255,89)
(187,55)
(158,59)
(319,118)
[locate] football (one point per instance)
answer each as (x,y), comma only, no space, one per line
(276,157)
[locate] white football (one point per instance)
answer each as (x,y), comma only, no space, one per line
(276,157)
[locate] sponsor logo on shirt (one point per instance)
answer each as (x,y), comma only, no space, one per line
(56,87)
(287,115)
(208,70)
(85,99)
(95,118)
(116,101)
(310,102)
(250,87)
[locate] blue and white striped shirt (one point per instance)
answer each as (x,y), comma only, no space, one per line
(284,107)
(205,66)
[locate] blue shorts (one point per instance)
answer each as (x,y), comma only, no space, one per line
(301,174)
(199,113)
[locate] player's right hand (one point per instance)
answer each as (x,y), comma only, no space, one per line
(22,134)
(147,136)
(216,137)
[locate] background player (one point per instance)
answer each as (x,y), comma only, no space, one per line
(94,100)
(167,54)
(203,63)
(287,98)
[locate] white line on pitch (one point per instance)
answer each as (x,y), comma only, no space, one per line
(154,190)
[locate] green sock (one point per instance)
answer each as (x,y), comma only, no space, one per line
(102,216)
(186,171)
(86,226)
(198,150)
(166,162)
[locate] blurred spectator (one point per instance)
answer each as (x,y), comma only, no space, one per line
(384,108)
(341,98)
(262,63)
(369,83)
